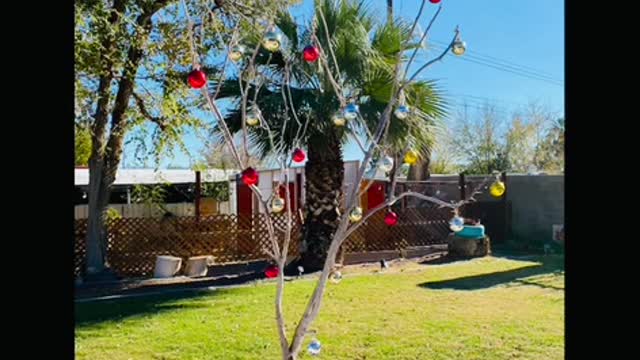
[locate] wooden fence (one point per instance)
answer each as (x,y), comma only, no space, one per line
(134,243)
(148,211)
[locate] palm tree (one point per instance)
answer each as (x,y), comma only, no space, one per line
(366,54)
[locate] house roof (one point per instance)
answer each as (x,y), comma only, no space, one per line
(150,176)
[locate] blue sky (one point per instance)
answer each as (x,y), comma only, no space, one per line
(523,36)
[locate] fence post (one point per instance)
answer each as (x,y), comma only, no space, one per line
(197,195)
(507,212)
(503,178)
(463,186)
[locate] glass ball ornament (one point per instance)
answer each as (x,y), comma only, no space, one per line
(272,40)
(351,111)
(459,47)
(335,277)
(356,214)
(310,54)
(497,189)
(272,272)
(236,53)
(298,155)
(314,347)
(411,157)
(197,79)
(391,219)
(253,117)
(386,164)
(401,112)
(277,204)
(250,176)
(456,224)
(338,119)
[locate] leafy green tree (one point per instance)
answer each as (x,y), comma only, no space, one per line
(549,156)
(132,58)
(82,146)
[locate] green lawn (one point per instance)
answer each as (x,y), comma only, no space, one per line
(489,308)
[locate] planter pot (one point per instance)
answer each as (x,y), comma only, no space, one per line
(198,265)
(166,266)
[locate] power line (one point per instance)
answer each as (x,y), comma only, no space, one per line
(553,82)
(501,67)
(504,62)
(487,99)
(481,101)
(505,69)
(480,106)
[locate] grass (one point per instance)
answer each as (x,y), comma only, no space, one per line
(489,308)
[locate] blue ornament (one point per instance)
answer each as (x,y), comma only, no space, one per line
(456,224)
(315,347)
(402,112)
(351,111)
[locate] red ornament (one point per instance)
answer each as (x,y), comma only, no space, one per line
(299,155)
(434,1)
(250,176)
(310,53)
(391,218)
(197,79)
(272,272)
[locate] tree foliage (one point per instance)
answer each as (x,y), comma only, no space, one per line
(82,145)
(527,141)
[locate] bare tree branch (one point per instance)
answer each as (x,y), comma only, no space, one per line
(457,32)
(143,110)
(424,35)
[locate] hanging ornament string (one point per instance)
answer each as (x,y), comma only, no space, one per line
(326,33)
(325,64)
(225,130)
(221,79)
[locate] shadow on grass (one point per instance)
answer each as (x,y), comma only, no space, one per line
(89,313)
(545,265)
(540,284)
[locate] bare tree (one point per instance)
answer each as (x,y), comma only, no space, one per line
(374,145)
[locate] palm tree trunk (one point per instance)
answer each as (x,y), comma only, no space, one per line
(418,172)
(324,172)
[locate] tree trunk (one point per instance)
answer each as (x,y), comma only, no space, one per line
(96,232)
(324,172)
(418,172)
(107,149)
(101,179)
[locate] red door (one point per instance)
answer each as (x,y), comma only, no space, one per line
(375,195)
(245,205)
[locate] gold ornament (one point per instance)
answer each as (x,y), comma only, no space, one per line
(277,205)
(356,214)
(411,157)
(497,188)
